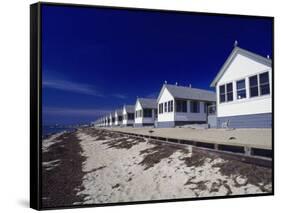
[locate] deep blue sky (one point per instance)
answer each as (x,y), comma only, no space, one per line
(95,60)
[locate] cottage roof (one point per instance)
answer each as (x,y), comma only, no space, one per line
(148,103)
(182,92)
(130,108)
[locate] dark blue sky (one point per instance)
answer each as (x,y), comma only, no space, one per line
(94,60)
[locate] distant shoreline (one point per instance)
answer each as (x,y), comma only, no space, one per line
(48,131)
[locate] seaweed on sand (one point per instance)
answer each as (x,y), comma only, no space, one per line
(122,143)
(155,154)
(60,185)
(255,175)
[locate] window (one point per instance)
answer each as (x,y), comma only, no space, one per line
(264,83)
(165,106)
(119,118)
(254,89)
(205,107)
(194,107)
(222,93)
(226,92)
(169,106)
(229,92)
(161,108)
(241,89)
(138,113)
(130,116)
(181,106)
(147,113)
(259,86)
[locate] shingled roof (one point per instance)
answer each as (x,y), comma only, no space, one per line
(130,108)
(148,103)
(182,92)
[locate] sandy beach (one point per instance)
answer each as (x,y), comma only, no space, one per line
(95,166)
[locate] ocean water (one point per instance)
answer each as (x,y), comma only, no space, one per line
(47,130)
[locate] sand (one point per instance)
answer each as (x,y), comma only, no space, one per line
(111,167)
(155,171)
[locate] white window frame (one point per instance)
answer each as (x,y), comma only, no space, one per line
(237,90)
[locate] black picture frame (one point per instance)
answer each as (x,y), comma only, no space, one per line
(36,106)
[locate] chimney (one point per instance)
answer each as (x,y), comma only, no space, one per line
(176,83)
(268,56)
(190,86)
(235,43)
(165,82)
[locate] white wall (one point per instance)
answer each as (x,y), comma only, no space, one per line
(243,67)
(110,120)
(126,121)
(166,116)
(138,120)
(116,119)
(124,112)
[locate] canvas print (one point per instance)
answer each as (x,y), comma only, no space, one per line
(151,106)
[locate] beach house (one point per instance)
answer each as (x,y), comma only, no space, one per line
(128,115)
(101,121)
(118,117)
(244,91)
(181,105)
(145,112)
(106,121)
(111,118)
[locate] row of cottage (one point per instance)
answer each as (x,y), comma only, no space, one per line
(243,99)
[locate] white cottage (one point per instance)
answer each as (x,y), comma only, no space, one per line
(111,118)
(179,105)
(244,91)
(145,112)
(128,115)
(106,121)
(118,117)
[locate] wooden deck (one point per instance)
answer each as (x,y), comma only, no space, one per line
(250,145)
